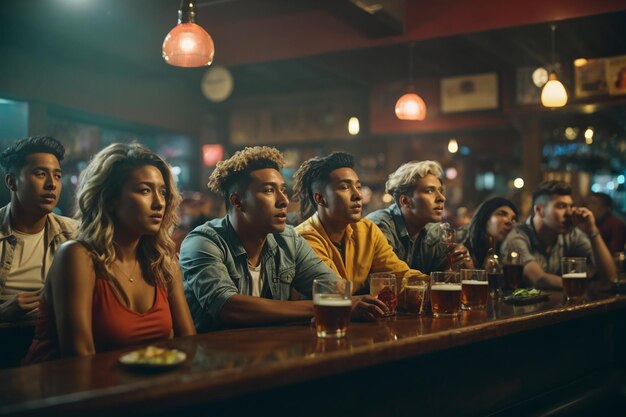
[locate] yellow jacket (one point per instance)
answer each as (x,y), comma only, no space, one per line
(366,251)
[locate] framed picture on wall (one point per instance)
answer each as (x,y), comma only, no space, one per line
(591,78)
(616,74)
(470,92)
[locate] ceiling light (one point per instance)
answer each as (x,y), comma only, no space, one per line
(411,106)
(453,146)
(188,45)
(589,133)
(540,77)
(518,182)
(354,126)
(580,62)
(553,93)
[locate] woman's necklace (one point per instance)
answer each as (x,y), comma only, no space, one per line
(129,277)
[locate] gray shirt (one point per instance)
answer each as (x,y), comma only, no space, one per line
(524,240)
(425,253)
(215,267)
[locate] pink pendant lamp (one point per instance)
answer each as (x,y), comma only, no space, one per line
(411,106)
(188,45)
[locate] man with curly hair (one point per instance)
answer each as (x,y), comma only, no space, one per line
(29,232)
(330,193)
(240,270)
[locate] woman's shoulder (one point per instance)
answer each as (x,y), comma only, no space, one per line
(75,250)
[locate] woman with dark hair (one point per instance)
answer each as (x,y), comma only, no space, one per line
(491,223)
(118,284)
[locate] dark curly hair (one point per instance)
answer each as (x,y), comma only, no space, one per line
(13,158)
(317,171)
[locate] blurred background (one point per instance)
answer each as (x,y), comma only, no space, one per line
(293,74)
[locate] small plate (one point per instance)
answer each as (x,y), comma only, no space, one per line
(152,358)
(542,296)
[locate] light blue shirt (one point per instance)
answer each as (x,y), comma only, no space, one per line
(215,267)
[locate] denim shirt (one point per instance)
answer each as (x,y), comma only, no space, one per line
(215,267)
(59,229)
(424,253)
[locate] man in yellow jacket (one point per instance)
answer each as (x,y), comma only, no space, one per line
(330,197)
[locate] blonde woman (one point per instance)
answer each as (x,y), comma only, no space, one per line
(118,284)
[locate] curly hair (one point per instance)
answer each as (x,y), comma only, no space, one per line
(100,183)
(234,172)
(13,158)
(477,241)
(316,171)
(405,178)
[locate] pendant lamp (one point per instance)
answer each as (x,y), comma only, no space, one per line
(553,94)
(188,45)
(411,106)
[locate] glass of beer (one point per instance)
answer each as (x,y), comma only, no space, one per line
(474,289)
(445,293)
(574,273)
(412,294)
(383,285)
(620,265)
(512,272)
(332,303)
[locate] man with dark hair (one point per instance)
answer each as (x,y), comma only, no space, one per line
(330,193)
(556,229)
(241,269)
(29,232)
(412,224)
(612,229)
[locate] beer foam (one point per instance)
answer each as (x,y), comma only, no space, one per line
(474,282)
(575,275)
(445,287)
(331,300)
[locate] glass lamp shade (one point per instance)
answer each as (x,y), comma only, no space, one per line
(188,45)
(553,93)
(410,107)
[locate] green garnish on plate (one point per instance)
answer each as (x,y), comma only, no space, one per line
(523,293)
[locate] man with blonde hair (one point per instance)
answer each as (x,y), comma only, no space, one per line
(411,224)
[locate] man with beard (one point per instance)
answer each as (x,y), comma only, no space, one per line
(556,229)
(330,193)
(29,232)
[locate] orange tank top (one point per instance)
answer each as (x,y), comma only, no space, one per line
(114,326)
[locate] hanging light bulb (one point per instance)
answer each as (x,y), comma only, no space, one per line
(553,93)
(411,106)
(188,45)
(453,146)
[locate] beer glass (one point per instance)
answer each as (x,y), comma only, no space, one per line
(412,294)
(574,273)
(512,272)
(445,293)
(474,289)
(332,303)
(383,285)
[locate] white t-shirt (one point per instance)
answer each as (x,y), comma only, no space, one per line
(31,261)
(256,280)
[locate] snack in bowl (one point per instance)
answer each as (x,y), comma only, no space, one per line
(522,292)
(152,356)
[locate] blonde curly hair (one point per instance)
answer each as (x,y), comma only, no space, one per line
(234,170)
(100,183)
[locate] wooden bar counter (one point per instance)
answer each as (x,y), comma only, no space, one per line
(508,360)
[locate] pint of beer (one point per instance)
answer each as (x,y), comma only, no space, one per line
(332,303)
(474,289)
(445,293)
(574,273)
